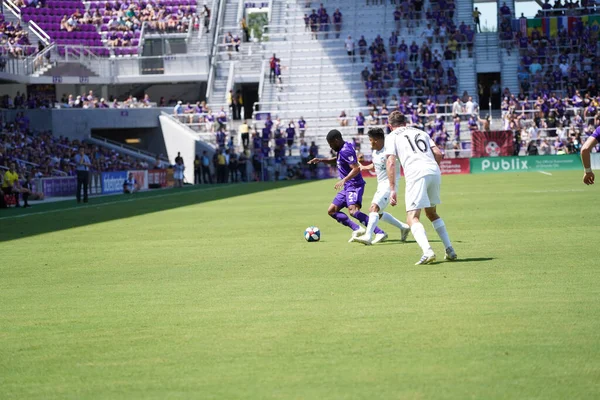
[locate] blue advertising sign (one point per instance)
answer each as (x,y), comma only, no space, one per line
(112,182)
(59,187)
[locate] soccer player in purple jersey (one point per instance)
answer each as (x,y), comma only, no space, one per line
(351,187)
(590,143)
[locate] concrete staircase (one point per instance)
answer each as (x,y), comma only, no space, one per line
(487,53)
(218,92)
(510,65)
(466,67)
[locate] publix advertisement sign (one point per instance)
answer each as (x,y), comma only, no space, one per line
(525,164)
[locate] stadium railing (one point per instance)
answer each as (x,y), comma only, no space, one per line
(131,151)
(213,55)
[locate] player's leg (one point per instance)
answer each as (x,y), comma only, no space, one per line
(373,220)
(416,199)
(334,212)
(390,219)
(354,201)
(433,191)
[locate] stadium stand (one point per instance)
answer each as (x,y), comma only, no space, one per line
(42,154)
(363,60)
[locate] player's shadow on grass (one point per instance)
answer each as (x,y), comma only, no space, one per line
(52,217)
(473,259)
(397,241)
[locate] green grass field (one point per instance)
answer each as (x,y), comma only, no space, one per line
(214,294)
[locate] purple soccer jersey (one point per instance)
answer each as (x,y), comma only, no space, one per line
(355,187)
(345,158)
(596,134)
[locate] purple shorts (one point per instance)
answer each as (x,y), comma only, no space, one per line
(349,196)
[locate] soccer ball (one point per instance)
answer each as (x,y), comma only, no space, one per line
(312,234)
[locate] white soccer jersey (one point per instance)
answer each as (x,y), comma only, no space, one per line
(413,147)
(379,159)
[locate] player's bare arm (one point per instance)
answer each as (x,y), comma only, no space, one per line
(367,167)
(355,171)
(437,153)
(588,176)
(391,173)
(315,160)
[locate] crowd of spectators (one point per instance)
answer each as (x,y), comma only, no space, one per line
(567,8)
(84,101)
(41,154)
(564,62)
(412,71)
(14,40)
(158,16)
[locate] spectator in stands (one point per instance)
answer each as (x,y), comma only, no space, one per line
(337,20)
(178,109)
(244,27)
(343,119)
(291,134)
(349,43)
(206,16)
(476,19)
(272,65)
(360,123)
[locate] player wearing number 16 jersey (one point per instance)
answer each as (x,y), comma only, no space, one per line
(420,159)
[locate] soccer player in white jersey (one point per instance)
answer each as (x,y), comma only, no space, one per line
(420,159)
(382,196)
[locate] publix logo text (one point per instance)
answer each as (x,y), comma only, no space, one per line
(504,165)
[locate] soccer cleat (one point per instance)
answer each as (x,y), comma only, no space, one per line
(426,259)
(364,239)
(360,231)
(450,254)
(379,237)
(405,233)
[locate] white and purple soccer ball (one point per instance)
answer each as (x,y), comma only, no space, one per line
(312,234)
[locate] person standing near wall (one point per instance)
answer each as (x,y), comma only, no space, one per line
(83,164)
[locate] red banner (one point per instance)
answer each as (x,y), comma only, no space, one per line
(448,166)
(157,176)
(492,144)
(453,166)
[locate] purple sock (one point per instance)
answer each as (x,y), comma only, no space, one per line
(364,219)
(344,220)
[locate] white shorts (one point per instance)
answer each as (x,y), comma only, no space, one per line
(382,198)
(423,193)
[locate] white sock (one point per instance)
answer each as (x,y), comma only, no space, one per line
(418,232)
(390,219)
(373,220)
(440,228)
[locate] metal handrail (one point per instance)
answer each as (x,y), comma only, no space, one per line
(230,78)
(213,64)
(269,10)
(240,11)
(13,8)
(126,147)
(39,32)
(261,82)
(31,62)
(140,45)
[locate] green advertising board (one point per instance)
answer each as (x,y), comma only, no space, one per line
(525,164)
